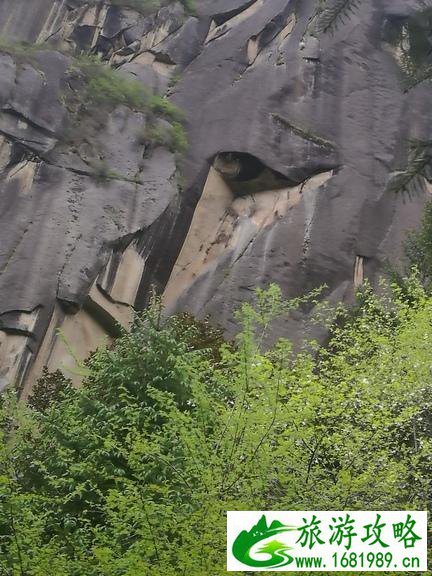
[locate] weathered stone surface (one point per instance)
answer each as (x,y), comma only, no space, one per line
(22,21)
(60,222)
(294,134)
(343,88)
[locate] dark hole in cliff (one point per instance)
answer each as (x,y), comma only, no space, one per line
(18,154)
(83,36)
(103,47)
(247,174)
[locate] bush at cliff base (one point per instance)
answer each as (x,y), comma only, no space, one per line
(133,473)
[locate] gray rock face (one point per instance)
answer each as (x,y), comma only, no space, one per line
(295,129)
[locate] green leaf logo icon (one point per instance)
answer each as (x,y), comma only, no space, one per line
(245,541)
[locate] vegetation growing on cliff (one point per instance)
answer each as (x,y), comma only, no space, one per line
(100,89)
(415,46)
(418,246)
(20,49)
(103,88)
(417,171)
(97,90)
(133,473)
(410,35)
(172,136)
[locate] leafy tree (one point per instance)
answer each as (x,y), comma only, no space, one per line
(133,473)
(48,389)
(418,246)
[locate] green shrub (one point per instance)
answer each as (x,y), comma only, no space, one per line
(133,473)
(23,49)
(172,136)
(163,107)
(104,87)
(190,6)
(179,138)
(102,172)
(102,90)
(49,388)
(418,246)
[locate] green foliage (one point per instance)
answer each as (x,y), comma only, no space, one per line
(331,13)
(104,88)
(97,89)
(418,246)
(202,334)
(107,88)
(101,90)
(190,6)
(415,46)
(419,168)
(49,388)
(102,173)
(133,473)
(20,49)
(172,136)
(164,108)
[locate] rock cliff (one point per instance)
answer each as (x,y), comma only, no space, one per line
(299,116)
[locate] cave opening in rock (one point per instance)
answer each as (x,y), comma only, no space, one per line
(246,174)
